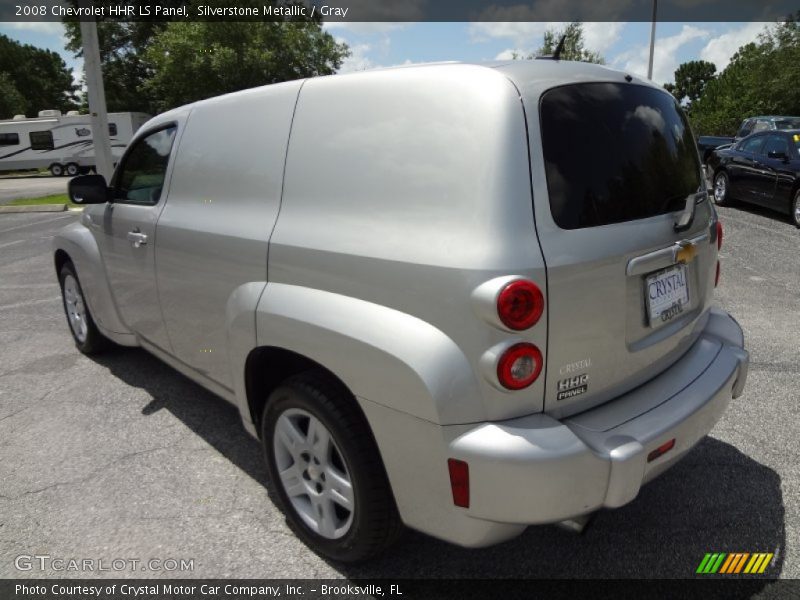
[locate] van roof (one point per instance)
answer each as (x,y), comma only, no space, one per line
(553,71)
(531,78)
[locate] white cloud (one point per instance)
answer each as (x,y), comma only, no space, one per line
(49,27)
(508,53)
(77,75)
(358,59)
(521,34)
(598,37)
(665,59)
(719,50)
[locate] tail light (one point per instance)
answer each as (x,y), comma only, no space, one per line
(459,481)
(719,235)
(519,366)
(520,304)
(661,450)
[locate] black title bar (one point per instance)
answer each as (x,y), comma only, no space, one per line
(401,10)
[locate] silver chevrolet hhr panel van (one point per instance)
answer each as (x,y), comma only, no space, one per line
(463,298)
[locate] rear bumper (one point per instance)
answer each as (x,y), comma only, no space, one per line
(536,469)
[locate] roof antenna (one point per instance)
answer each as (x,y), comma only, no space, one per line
(557,54)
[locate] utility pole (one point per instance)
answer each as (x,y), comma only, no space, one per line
(652,40)
(104,163)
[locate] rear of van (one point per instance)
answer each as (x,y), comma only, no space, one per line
(639,365)
(435,190)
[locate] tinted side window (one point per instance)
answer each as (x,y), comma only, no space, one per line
(752,144)
(142,175)
(775,143)
(41,140)
(614,153)
(9,139)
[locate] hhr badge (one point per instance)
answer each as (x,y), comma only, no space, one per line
(572,386)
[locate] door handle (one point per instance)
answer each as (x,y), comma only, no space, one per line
(137,238)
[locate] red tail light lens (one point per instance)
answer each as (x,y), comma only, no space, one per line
(719,235)
(661,450)
(520,305)
(519,366)
(459,481)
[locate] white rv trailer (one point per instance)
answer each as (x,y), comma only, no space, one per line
(61,143)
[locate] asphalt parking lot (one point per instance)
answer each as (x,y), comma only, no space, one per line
(30,186)
(122,457)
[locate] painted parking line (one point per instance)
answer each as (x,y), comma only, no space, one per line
(37,223)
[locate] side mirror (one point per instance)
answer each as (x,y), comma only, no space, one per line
(777,154)
(89,189)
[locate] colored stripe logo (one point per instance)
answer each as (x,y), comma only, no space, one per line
(734,563)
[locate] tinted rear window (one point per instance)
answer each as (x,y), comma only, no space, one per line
(614,153)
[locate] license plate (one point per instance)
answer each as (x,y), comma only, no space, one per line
(667,294)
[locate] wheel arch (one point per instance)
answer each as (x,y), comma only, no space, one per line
(382,355)
(266,367)
(75,244)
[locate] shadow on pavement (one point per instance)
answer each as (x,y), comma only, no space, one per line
(715,500)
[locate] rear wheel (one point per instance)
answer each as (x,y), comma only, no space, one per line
(326,470)
(796,209)
(56,170)
(72,169)
(722,194)
(87,337)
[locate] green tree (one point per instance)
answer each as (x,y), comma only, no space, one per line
(12,102)
(39,78)
(151,66)
(760,79)
(189,61)
(691,79)
(122,46)
(574,45)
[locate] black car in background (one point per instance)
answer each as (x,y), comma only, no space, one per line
(763,168)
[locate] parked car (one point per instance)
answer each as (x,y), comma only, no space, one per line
(763,169)
(707,143)
(425,306)
(766,123)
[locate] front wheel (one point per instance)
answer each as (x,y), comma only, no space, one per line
(56,170)
(326,470)
(722,189)
(796,209)
(87,337)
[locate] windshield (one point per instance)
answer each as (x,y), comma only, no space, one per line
(614,153)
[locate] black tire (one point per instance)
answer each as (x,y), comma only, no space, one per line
(57,170)
(795,214)
(374,523)
(71,170)
(93,341)
(725,198)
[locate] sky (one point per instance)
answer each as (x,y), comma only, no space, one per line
(625,46)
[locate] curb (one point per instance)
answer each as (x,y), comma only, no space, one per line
(34,208)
